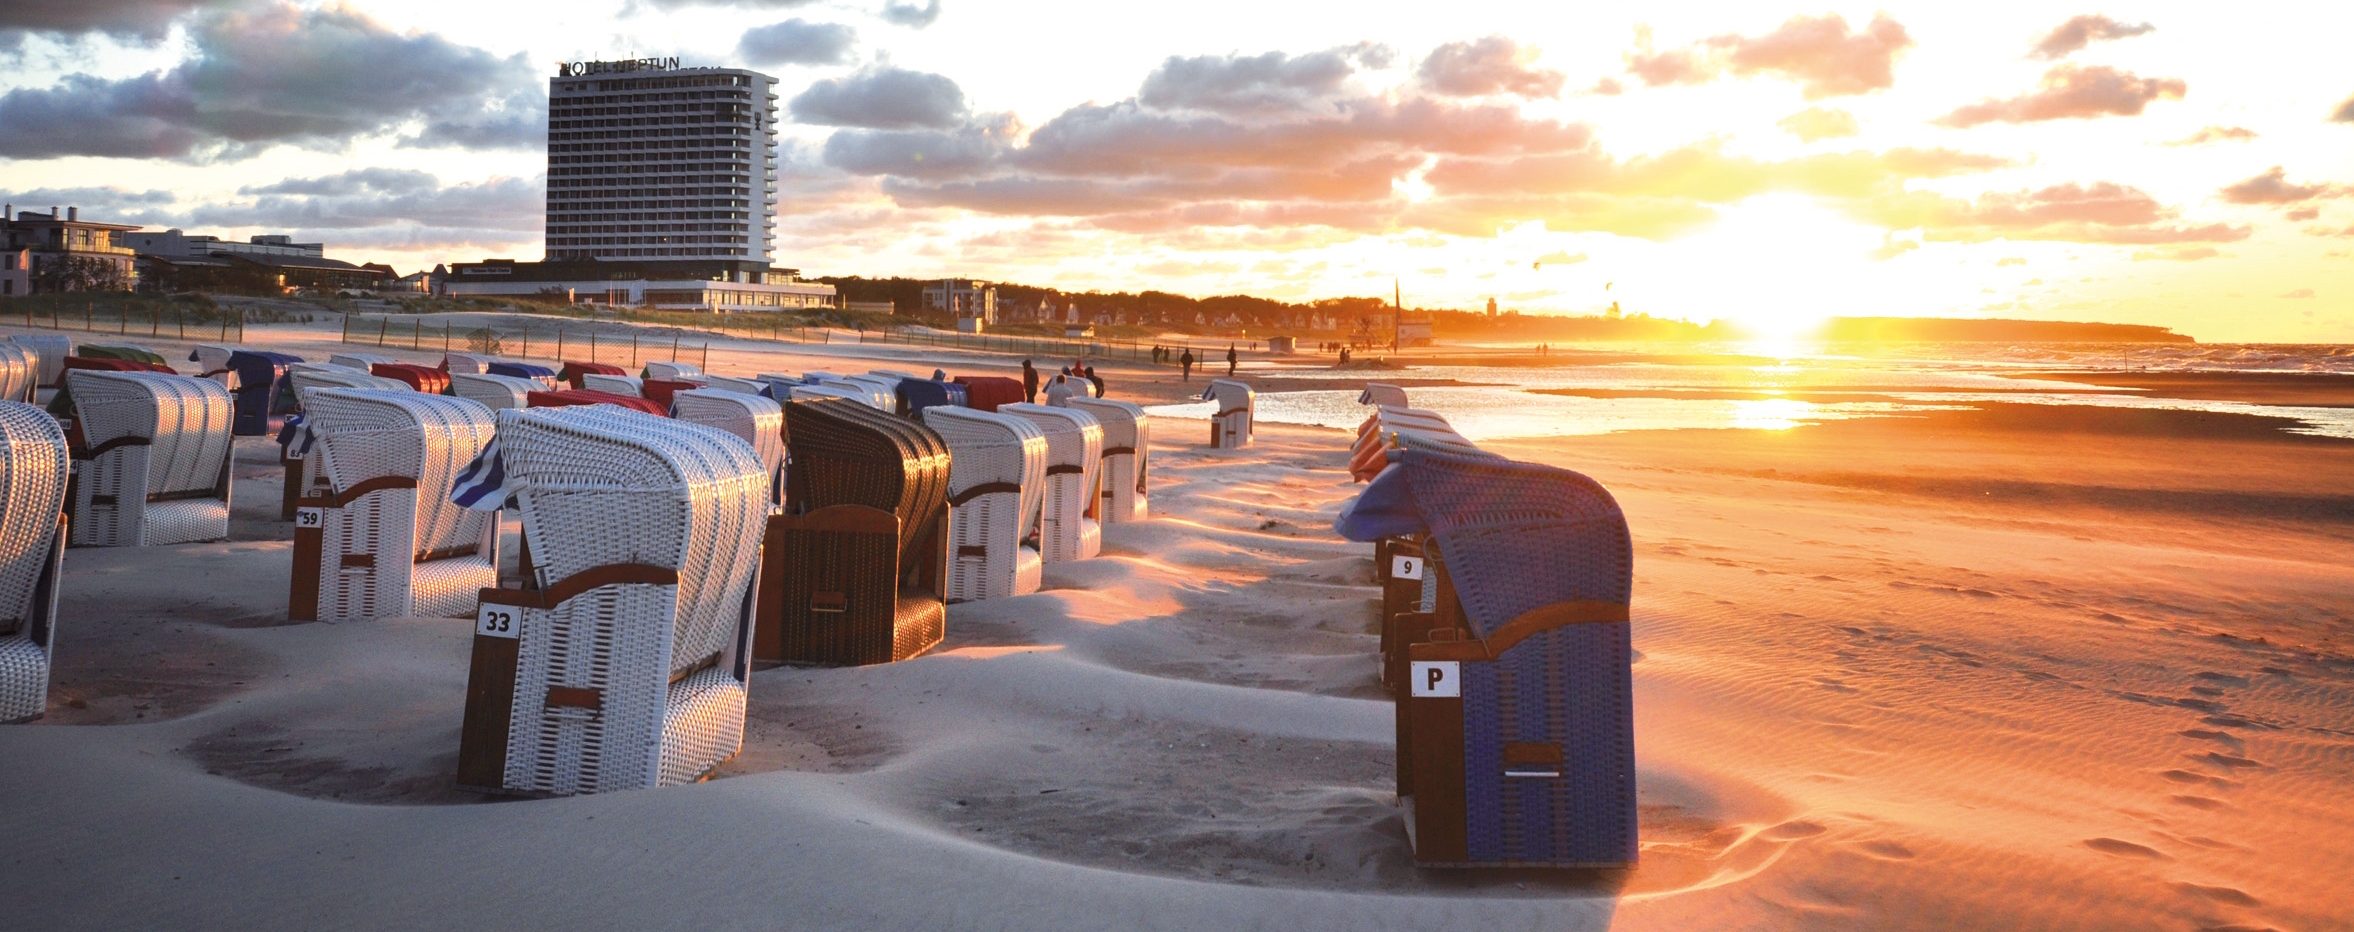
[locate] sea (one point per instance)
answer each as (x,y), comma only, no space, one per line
(1753,387)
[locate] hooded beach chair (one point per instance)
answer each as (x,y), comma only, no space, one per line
(212,362)
(672,371)
(893,376)
(545,376)
(911,396)
(154,452)
(33,455)
(574,371)
(257,393)
(377,535)
(1382,395)
(455,363)
(425,379)
(985,393)
(860,555)
(881,393)
(613,384)
(1516,727)
(293,442)
(821,390)
(496,392)
(1127,447)
(20,373)
(660,391)
(567,398)
(1237,405)
(51,349)
(727,383)
(127,351)
(620,664)
(1068,523)
(996,485)
(365,362)
(756,419)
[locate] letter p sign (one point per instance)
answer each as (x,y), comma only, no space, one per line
(1436,679)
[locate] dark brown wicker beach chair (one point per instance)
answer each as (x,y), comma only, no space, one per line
(855,571)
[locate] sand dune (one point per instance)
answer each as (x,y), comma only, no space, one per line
(1861,701)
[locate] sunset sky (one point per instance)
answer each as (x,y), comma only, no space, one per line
(2189,165)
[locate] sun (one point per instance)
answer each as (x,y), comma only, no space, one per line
(1778,265)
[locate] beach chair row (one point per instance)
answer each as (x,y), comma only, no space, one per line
(1504,643)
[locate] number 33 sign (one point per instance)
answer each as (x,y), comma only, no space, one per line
(496,621)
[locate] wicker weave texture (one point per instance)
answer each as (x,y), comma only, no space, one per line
(366,435)
(32,495)
(1237,408)
(1068,529)
(1127,453)
(616,384)
(496,392)
(20,372)
(51,350)
(169,489)
(361,361)
(749,416)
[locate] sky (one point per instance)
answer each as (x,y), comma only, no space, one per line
(2188,165)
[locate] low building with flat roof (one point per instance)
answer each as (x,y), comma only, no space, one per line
(57,253)
(721,286)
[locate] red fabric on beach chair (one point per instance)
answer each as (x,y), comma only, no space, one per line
(574,370)
(659,391)
(985,393)
(425,379)
(581,396)
(114,365)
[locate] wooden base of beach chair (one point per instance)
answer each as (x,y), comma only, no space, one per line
(831,591)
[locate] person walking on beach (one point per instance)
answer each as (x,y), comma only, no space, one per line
(1029,382)
(1186,362)
(1231,359)
(1095,380)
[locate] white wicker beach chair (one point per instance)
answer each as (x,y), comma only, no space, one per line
(892,374)
(361,361)
(1127,446)
(676,371)
(211,358)
(51,349)
(1068,528)
(996,487)
(32,550)
(455,363)
(312,376)
(880,392)
(623,663)
(1382,395)
(496,392)
(753,417)
(1237,404)
(157,449)
(834,390)
(377,536)
(731,384)
(629,385)
(20,372)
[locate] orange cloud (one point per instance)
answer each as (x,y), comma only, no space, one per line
(2188,254)
(1821,53)
(2273,187)
(2071,92)
(2103,212)
(1817,123)
(2083,30)
(2216,134)
(2303,213)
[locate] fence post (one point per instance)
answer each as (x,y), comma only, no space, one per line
(526,342)
(705,365)
(674,346)
(381,327)
(155,324)
(592,344)
(633,347)
(445,339)
(559,342)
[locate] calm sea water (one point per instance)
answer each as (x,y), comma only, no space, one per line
(1670,392)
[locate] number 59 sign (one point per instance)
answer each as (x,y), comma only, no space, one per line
(497,621)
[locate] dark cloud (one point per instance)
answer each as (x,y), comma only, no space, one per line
(1822,53)
(883,98)
(148,20)
(922,153)
(797,42)
(1272,82)
(1491,65)
(2071,92)
(378,199)
(2273,187)
(2081,31)
(911,14)
(151,207)
(275,73)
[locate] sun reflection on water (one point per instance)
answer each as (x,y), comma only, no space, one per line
(1772,413)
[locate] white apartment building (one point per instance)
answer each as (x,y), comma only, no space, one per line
(651,162)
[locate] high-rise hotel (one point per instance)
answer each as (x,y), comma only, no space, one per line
(675,163)
(662,191)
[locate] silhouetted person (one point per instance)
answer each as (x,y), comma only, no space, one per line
(1029,382)
(1095,380)
(1231,359)
(1186,362)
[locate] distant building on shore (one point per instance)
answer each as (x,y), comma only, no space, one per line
(973,303)
(46,252)
(662,191)
(174,244)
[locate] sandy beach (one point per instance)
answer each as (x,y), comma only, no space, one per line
(2022,666)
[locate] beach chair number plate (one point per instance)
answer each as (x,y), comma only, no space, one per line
(310,517)
(1437,679)
(1405,567)
(496,621)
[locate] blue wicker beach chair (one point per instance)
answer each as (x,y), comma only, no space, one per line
(1517,726)
(258,374)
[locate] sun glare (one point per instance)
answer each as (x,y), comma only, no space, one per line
(1778,265)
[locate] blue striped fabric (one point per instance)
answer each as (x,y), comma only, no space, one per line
(296,437)
(483,485)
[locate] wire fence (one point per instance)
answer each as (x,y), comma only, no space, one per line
(588,344)
(226,325)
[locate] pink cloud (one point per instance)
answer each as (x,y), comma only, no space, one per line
(1822,53)
(2071,92)
(2080,31)
(2273,187)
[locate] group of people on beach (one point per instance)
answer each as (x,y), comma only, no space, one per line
(1078,369)
(1185,360)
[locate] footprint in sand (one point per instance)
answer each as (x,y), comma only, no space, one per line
(2227,761)
(1887,850)
(2229,895)
(2197,802)
(2125,849)
(1792,831)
